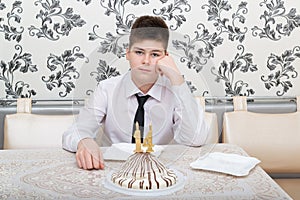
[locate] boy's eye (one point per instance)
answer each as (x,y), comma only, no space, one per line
(138,52)
(152,54)
(155,55)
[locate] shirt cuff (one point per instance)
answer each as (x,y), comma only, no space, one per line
(182,90)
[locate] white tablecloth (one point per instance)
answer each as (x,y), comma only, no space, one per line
(53,174)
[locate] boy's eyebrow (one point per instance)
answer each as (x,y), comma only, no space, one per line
(153,50)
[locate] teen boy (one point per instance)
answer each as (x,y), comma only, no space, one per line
(170,107)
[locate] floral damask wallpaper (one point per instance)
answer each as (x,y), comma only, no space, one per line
(51,49)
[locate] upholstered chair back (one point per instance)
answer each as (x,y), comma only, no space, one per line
(272,138)
(212,121)
(24,130)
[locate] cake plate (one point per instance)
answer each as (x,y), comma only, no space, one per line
(136,192)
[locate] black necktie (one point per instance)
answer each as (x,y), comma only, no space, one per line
(139,115)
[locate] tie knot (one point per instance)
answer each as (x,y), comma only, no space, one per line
(142,99)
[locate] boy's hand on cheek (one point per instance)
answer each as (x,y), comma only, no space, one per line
(166,66)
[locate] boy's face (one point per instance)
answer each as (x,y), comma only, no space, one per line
(143,57)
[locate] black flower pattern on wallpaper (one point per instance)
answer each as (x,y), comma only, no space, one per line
(2,6)
(203,43)
(227,71)
(111,42)
(191,86)
(168,13)
(63,71)
(277,22)
(199,50)
(12,29)
(137,2)
(103,71)
(216,7)
(87,2)
(282,71)
(55,22)
(21,63)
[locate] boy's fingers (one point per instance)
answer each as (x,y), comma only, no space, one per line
(158,70)
(97,160)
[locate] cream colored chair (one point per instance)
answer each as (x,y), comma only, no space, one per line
(272,138)
(25,130)
(212,121)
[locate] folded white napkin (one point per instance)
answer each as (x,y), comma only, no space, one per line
(233,164)
(121,151)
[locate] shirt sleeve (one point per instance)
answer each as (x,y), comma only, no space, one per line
(189,122)
(88,120)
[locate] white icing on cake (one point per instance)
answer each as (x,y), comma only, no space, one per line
(145,172)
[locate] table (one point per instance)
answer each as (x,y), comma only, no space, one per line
(53,174)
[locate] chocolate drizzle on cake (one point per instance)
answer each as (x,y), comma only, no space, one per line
(144,171)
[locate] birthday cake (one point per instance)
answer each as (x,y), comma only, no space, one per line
(142,170)
(145,172)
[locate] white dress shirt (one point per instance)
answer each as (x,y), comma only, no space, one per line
(172,110)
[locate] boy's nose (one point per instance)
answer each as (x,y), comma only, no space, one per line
(146,59)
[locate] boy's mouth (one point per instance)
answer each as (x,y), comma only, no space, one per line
(144,69)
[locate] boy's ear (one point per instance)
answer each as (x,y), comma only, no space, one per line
(127,53)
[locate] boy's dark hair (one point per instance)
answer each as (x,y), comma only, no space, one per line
(149,27)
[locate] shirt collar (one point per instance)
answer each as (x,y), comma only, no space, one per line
(155,91)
